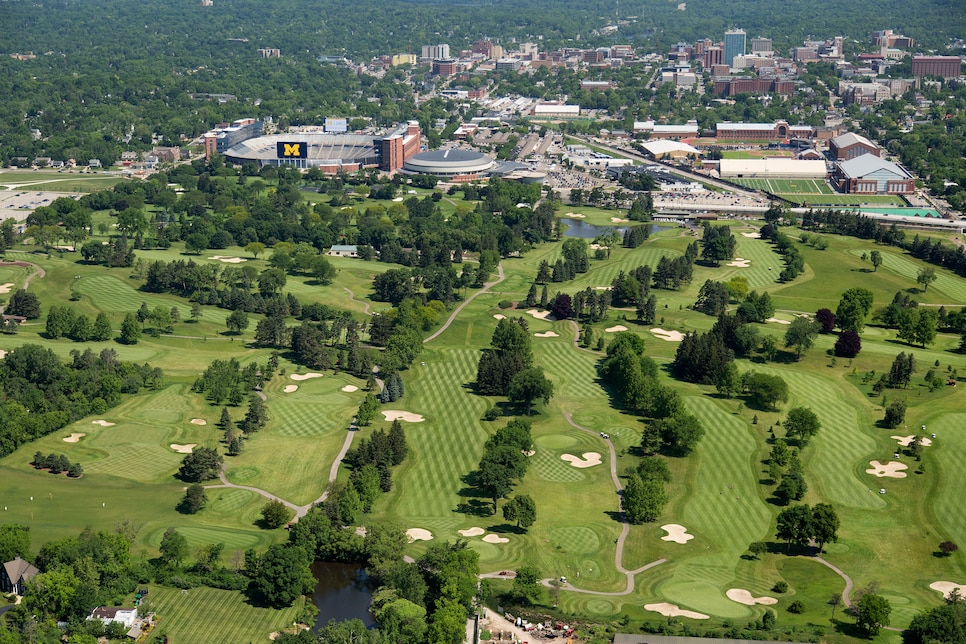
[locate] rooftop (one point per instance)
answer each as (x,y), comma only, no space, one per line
(869,163)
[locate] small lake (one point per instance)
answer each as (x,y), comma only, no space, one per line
(583,230)
(342,592)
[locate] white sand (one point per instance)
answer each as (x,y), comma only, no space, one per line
(616,329)
(752,235)
(542,315)
(183,449)
(5,288)
(739,262)
(472,532)
(290,388)
(75,437)
(3,354)
(361,531)
(530,453)
(229,260)
(892,469)
(547,334)
(419,534)
(589,459)
(603,288)
(397,199)
(906,441)
(393,414)
(777,321)
(495,538)
(305,376)
(668,336)
(576,215)
(946,587)
(350,388)
(102,423)
(676,533)
(618,220)
(199,421)
(670,610)
(499,316)
(742,596)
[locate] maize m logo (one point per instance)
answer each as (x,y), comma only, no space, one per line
(291,150)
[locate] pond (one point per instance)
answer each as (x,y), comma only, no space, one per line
(342,592)
(578,228)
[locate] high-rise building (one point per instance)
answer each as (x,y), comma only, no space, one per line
(734,44)
(762,46)
(435,52)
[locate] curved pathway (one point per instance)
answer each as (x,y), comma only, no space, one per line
(456,311)
(576,328)
(37,272)
(847,592)
(352,298)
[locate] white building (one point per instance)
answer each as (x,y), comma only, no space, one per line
(108,614)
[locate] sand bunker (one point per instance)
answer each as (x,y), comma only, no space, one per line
(542,315)
(668,336)
(618,220)
(752,235)
(199,421)
(616,329)
(670,610)
(946,587)
(305,376)
(589,459)
(419,534)
(350,388)
(547,334)
(777,321)
(530,453)
(5,288)
(603,288)
(906,441)
(576,215)
(676,533)
(290,388)
(472,532)
(742,596)
(73,438)
(102,423)
(499,316)
(392,414)
(739,262)
(892,469)
(3,354)
(229,260)
(183,449)
(495,538)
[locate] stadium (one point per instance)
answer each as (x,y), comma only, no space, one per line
(330,152)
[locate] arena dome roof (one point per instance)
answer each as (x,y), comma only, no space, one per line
(444,162)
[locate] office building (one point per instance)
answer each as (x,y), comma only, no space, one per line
(762,46)
(435,52)
(947,67)
(734,44)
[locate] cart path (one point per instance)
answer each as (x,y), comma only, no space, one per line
(576,328)
(847,592)
(456,311)
(37,272)
(352,298)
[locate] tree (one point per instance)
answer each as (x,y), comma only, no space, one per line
(801,335)
(448,624)
(367,410)
(174,548)
(895,414)
(530,385)
(948,548)
(255,248)
(791,488)
(102,328)
(14,541)
(764,389)
(757,548)
(926,277)
(872,613)
(562,306)
(202,464)
(256,416)
(130,329)
(802,423)
(643,500)
(526,587)
(196,312)
(848,344)
(283,575)
(852,309)
(23,303)
(196,243)
(826,318)
(794,525)
(521,509)
(876,258)
(237,321)
(275,514)
(825,525)
(679,433)
(194,499)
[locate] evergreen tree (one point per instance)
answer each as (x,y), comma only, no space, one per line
(257,415)
(531,300)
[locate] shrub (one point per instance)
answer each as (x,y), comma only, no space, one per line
(780,587)
(491,414)
(505,304)
(796,607)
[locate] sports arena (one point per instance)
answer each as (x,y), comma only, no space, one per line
(331,152)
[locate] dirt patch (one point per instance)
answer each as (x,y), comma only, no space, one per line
(419,534)
(547,334)
(393,414)
(668,336)
(495,538)
(349,389)
(589,459)
(102,423)
(676,533)
(777,321)
(183,449)
(499,316)
(616,329)
(906,441)
(892,469)
(743,596)
(540,315)
(739,262)
(74,438)
(305,376)
(229,260)
(290,388)
(472,532)
(199,421)
(946,587)
(670,610)
(5,288)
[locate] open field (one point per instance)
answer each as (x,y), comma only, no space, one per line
(788,186)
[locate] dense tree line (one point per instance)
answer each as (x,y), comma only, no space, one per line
(371,464)
(504,463)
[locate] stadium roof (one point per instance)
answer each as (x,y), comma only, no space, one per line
(776,168)
(868,164)
(449,162)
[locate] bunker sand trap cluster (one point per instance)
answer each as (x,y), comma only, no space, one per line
(183,449)
(541,315)
(670,610)
(305,376)
(892,469)
(668,336)
(495,538)
(290,388)
(350,388)
(946,587)
(472,532)
(102,423)
(739,262)
(409,417)
(743,596)
(676,533)
(589,459)
(419,534)
(906,441)
(74,438)
(547,334)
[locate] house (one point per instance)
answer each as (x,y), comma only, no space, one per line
(340,250)
(94,163)
(14,574)
(108,614)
